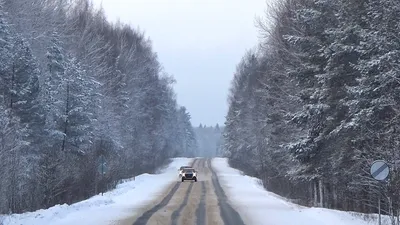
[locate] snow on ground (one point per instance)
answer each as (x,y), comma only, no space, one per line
(113,205)
(260,207)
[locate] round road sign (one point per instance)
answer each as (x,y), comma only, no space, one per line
(379,170)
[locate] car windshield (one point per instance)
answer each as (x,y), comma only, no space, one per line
(188,170)
(183,167)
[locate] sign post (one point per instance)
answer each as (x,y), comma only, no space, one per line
(380,172)
(102,169)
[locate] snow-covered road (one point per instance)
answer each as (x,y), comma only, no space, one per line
(186,203)
(222,195)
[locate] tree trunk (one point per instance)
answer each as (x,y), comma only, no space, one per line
(66,119)
(12,86)
(321,193)
(334,197)
(315,191)
(13,183)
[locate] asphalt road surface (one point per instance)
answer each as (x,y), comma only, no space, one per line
(189,203)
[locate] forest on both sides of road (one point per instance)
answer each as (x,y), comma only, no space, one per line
(317,101)
(76,89)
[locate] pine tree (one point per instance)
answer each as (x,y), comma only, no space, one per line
(19,88)
(54,91)
(82,100)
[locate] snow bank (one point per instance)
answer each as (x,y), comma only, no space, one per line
(113,205)
(260,207)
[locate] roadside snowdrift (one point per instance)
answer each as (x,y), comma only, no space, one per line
(259,207)
(104,209)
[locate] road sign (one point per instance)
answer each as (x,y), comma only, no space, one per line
(379,170)
(102,168)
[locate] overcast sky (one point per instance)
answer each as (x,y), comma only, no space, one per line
(199,42)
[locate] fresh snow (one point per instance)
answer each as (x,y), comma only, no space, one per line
(113,205)
(259,207)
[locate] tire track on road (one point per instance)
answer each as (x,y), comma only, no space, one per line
(175,215)
(213,216)
(229,215)
(195,166)
(201,210)
(144,218)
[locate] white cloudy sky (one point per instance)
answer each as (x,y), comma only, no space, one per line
(199,42)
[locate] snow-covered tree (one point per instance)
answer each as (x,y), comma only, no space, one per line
(318,103)
(76,88)
(21,117)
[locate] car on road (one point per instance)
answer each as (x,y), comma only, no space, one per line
(181,170)
(189,174)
